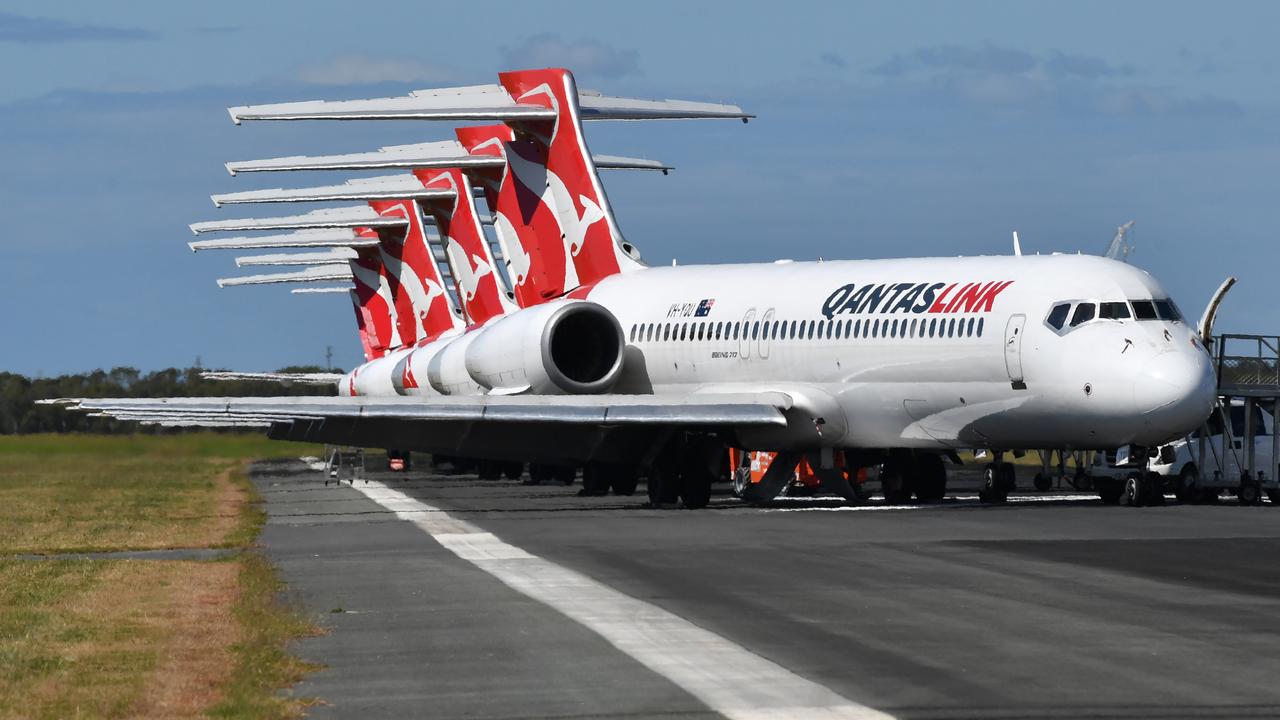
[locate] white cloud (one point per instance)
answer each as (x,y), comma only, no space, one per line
(585,57)
(356,69)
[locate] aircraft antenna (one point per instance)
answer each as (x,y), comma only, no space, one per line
(1017,246)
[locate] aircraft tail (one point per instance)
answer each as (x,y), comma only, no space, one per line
(375,308)
(538,263)
(423,307)
(471,262)
(586,220)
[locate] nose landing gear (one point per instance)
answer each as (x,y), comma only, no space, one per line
(998,479)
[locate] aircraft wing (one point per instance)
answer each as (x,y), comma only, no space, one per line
(765,408)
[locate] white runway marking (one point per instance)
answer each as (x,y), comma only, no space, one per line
(730,679)
(957,501)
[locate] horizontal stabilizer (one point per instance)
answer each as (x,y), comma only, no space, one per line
(328,237)
(392,187)
(328,257)
(344,217)
(316,273)
(330,290)
(444,154)
(280,377)
(482,103)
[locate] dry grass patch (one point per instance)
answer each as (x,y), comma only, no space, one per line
(139,638)
(115,638)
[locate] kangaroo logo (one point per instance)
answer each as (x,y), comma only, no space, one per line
(573,227)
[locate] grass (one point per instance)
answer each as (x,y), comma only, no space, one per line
(76,493)
(139,638)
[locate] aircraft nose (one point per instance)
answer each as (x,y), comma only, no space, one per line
(1175,390)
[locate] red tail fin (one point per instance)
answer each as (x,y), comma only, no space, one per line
(479,290)
(528,231)
(375,309)
(586,219)
(423,308)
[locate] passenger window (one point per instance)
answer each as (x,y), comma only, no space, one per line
(970,331)
(1144,310)
(684,332)
(848,328)
(1058,315)
(1113,311)
(1083,314)
(1167,310)
(979,327)
(951,328)
(875,329)
(933,325)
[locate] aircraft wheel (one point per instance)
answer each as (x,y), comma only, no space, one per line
(564,474)
(1008,478)
(696,478)
(1043,482)
(1154,486)
(893,481)
(513,470)
(1134,491)
(1274,495)
(623,479)
(538,474)
(489,470)
(1250,493)
(595,478)
(664,481)
(1109,490)
(931,478)
(1184,487)
(993,491)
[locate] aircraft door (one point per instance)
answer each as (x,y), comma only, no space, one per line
(1013,347)
(744,340)
(765,339)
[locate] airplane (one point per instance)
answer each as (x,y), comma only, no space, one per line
(896,362)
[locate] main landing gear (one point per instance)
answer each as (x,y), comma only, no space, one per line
(683,471)
(906,474)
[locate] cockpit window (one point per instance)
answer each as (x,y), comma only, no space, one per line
(1058,315)
(1113,311)
(1144,310)
(1167,310)
(1083,314)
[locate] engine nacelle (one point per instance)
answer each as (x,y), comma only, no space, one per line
(374,377)
(447,368)
(560,347)
(410,376)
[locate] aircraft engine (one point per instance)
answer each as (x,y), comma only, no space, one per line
(564,347)
(447,369)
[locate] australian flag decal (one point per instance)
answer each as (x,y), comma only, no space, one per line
(704,308)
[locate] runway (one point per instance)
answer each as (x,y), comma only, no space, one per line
(1053,606)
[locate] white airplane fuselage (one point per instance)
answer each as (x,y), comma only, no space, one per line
(929,353)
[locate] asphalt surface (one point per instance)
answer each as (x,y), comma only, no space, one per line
(1052,606)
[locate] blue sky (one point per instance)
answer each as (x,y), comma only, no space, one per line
(884,129)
